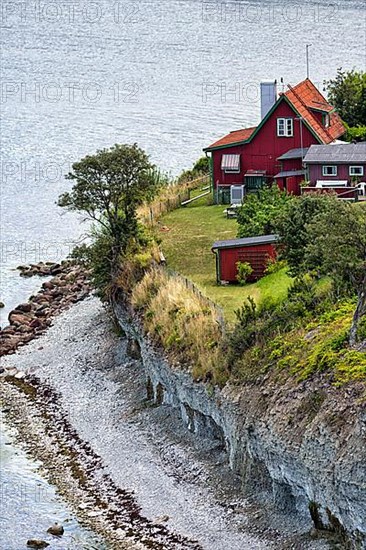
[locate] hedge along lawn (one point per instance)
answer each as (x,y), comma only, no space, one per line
(187,236)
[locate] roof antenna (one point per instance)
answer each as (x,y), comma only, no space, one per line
(307,60)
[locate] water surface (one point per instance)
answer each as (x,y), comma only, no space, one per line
(171,75)
(29,505)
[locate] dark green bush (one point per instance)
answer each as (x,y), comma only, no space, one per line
(260,211)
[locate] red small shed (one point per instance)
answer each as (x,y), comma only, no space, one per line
(256,251)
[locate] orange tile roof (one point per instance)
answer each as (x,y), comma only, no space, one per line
(304,97)
(234,137)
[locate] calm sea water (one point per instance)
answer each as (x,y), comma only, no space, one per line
(171,75)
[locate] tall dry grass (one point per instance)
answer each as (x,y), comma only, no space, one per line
(182,322)
(133,267)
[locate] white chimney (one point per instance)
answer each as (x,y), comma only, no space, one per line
(268,96)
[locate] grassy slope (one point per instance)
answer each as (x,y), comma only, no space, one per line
(319,347)
(187,236)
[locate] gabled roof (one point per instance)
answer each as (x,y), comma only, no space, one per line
(350,153)
(237,136)
(310,95)
(303,98)
(306,97)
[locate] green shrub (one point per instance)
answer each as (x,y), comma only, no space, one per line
(244,270)
(200,168)
(260,211)
(98,257)
(259,324)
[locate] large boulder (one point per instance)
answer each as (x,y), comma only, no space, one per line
(25,328)
(56,269)
(42,311)
(16,318)
(36,323)
(10,343)
(48,285)
(8,330)
(25,308)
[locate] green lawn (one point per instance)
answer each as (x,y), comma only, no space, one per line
(187,236)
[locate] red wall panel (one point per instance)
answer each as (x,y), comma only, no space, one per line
(261,153)
(316,172)
(257,256)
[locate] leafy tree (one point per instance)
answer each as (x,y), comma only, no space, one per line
(347,92)
(202,165)
(291,224)
(260,210)
(108,188)
(322,233)
(357,133)
(337,246)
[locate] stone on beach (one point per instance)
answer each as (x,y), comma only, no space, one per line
(37,543)
(25,308)
(16,318)
(56,529)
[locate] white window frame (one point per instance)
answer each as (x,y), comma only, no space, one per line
(285,127)
(351,168)
(334,170)
(327,120)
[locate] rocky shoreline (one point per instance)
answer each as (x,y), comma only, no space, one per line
(32,389)
(78,404)
(100,504)
(69,284)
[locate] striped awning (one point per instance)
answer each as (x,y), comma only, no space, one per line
(230,162)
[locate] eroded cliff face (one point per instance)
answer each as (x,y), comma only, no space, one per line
(300,446)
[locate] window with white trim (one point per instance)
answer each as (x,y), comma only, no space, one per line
(285,127)
(356,170)
(329,170)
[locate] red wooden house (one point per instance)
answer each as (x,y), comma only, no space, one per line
(256,251)
(340,168)
(245,159)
